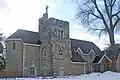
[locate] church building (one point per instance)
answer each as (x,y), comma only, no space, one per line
(51,52)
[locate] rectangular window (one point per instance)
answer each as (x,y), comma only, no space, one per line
(14,45)
(58,33)
(39,49)
(62,34)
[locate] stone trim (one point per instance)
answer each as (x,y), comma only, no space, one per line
(95,63)
(78,62)
(19,39)
(103,57)
(78,49)
(23,42)
(82,51)
(91,51)
(31,44)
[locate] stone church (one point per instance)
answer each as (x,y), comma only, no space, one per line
(50,52)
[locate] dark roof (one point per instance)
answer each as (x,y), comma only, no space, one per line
(26,36)
(109,54)
(85,46)
(97,58)
(77,58)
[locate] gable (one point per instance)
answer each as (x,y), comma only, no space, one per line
(91,55)
(104,57)
(76,56)
(26,36)
(85,46)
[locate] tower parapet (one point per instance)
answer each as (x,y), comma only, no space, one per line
(58,22)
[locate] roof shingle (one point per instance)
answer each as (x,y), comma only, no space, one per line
(26,36)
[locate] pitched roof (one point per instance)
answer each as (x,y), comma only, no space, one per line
(26,36)
(77,58)
(85,46)
(108,54)
(97,58)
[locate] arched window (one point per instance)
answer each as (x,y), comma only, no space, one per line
(14,45)
(32,70)
(61,51)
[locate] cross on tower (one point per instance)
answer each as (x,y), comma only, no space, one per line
(46,9)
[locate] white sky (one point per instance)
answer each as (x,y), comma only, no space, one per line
(24,14)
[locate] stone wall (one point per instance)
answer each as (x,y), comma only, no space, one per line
(31,57)
(96,67)
(14,57)
(118,64)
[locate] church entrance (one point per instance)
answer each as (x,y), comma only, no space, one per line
(32,71)
(107,65)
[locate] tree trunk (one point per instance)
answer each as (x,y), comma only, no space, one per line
(111,37)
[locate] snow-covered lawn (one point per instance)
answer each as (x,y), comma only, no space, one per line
(93,76)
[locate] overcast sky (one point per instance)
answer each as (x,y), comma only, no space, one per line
(24,14)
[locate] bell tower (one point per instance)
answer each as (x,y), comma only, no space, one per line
(54,36)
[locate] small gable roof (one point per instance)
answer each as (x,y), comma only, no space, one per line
(27,36)
(104,57)
(77,58)
(97,58)
(85,46)
(108,53)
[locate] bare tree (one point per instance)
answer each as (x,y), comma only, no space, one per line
(101,16)
(2,57)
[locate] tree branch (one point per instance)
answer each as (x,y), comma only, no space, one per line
(116,14)
(116,21)
(106,25)
(92,13)
(107,9)
(97,29)
(113,3)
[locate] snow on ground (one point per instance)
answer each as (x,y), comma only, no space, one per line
(93,76)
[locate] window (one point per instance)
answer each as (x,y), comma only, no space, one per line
(61,51)
(14,45)
(32,71)
(39,49)
(58,33)
(61,33)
